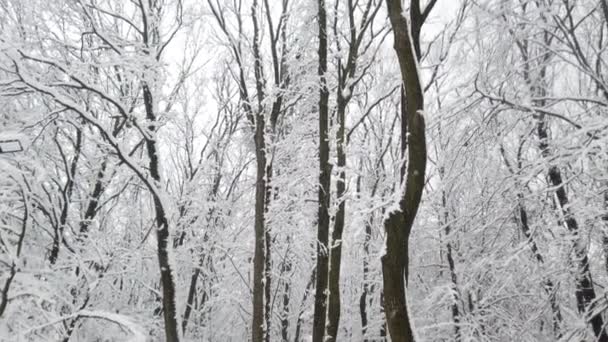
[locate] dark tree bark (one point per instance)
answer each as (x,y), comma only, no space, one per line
(584,292)
(93,204)
(151,177)
(548,286)
(66,194)
(262,265)
(455,310)
(259,328)
(100,186)
(13,268)
(320,310)
(365,293)
(286,269)
(259,257)
(170,315)
(605,232)
(162,225)
(399,222)
(367,288)
(311,282)
(522,219)
(346,86)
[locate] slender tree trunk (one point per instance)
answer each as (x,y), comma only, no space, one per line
(584,292)
(605,232)
(320,310)
(162,225)
(548,285)
(259,257)
(445,219)
(286,295)
(268,255)
(346,85)
(383,327)
(99,187)
(190,299)
(365,293)
(451,265)
(93,205)
(311,281)
(14,268)
(333,310)
(66,195)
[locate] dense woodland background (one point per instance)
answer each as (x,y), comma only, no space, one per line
(233,170)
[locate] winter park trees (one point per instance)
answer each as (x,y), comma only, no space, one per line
(330,170)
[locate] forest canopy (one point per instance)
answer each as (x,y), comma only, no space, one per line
(304,170)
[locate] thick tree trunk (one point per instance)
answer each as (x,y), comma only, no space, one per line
(399,222)
(320,311)
(394,263)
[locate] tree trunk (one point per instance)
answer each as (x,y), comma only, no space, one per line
(366,290)
(584,292)
(451,265)
(399,223)
(268,256)
(259,328)
(333,310)
(548,283)
(320,311)
(286,295)
(162,225)
(93,205)
(605,232)
(259,257)
(311,281)
(190,299)
(394,263)
(66,195)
